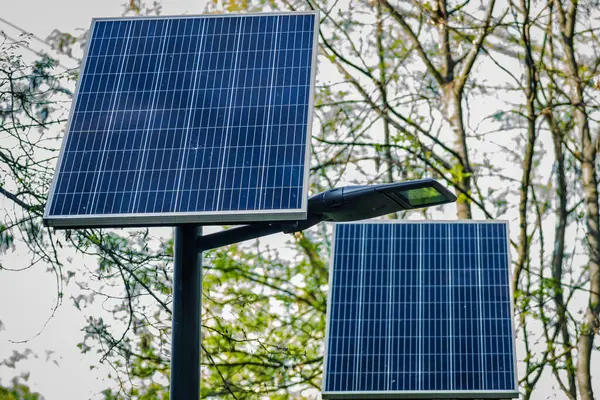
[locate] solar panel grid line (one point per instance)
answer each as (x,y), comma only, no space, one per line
(340,295)
(183,190)
(414,319)
(229,139)
(169,25)
(261,150)
(231,91)
(227,92)
(142,161)
(451,383)
(174,198)
(251,95)
(210,55)
(365,311)
(86,139)
(176,53)
(64,145)
(144,154)
(121,164)
(242,102)
(223,92)
(184,148)
(254,67)
(429,241)
(489,311)
(246,144)
(361,279)
(389,311)
(289,106)
(287,121)
(214,137)
(356,277)
(102,74)
(267,137)
(376,299)
(266,134)
(249,34)
(96,176)
(276,73)
(480,301)
(439,242)
(420,304)
(270,114)
(428,324)
(405,352)
(184,155)
(167,90)
(252,92)
(497,343)
(372,313)
(354,280)
(111,121)
(473,340)
(191,102)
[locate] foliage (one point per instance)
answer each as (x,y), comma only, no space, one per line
(18,391)
(18,388)
(499,102)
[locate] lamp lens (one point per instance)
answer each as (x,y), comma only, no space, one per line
(423,196)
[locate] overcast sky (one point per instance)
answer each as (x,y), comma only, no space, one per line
(26,298)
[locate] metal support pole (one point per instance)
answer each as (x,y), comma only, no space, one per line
(187,306)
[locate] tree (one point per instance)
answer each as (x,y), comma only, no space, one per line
(398,94)
(567,14)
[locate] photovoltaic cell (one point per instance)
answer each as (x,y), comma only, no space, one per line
(189,119)
(420,310)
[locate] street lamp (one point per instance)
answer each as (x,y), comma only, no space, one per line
(348,203)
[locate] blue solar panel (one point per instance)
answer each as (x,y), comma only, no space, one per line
(189,119)
(420,310)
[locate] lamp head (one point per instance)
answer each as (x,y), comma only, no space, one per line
(353,203)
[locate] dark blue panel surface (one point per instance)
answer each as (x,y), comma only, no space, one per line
(184,115)
(420,307)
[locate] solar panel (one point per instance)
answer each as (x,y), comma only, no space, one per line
(200,119)
(420,310)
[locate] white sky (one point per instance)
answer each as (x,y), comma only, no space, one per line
(26,298)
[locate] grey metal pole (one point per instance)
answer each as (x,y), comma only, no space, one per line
(187,306)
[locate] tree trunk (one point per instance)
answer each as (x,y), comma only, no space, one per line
(567,20)
(382,85)
(558,253)
(530,89)
(462,168)
(591,321)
